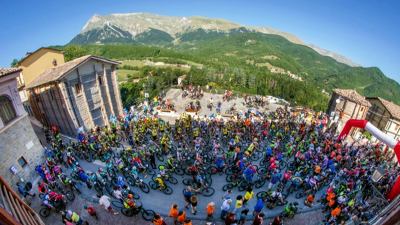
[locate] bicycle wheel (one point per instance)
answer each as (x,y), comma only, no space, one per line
(179,171)
(227,187)
(167,191)
(300,194)
(229,178)
(44,212)
(70,196)
(255,156)
(130,181)
(41,196)
(212,170)
(98,189)
(150,171)
(243,186)
(187,181)
(208,191)
(144,187)
(172,180)
(153,185)
(262,194)
(117,204)
(148,215)
(127,212)
(208,180)
(279,203)
(259,183)
(282,164)
(160,157)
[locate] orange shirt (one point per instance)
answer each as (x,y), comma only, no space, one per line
(331,202)
(310,198)
(336,212)
(173,212)
(182,217)
(330,196)
(158,221)
(188,223)
(210,209)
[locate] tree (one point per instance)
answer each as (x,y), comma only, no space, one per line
(74,51)
(14,63)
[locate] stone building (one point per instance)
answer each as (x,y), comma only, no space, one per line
(385,115)
(347,104)
(20,149)
(32,65)
(82,93)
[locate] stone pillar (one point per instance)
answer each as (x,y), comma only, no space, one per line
(62,87)
(103,113)
(86,105)
(116,90)
(108,91)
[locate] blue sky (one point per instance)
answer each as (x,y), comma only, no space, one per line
(367,31)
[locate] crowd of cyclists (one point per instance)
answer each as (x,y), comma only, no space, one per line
(266,156)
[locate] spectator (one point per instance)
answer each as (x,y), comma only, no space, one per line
(248,195)
(181,217)
(91,211)
(243,216)
(210,210)
(187,194)
(259,206)
(226,206)
(158,220)
(173,212)
(105,201)
(259,219)
(230,219)
(187,222)
(193,202)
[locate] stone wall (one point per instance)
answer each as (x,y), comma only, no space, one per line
(17,140)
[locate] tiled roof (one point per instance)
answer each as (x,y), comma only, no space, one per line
(7,71)
(391,107)
(57,72)
(353,96)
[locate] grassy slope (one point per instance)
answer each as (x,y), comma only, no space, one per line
(227,54)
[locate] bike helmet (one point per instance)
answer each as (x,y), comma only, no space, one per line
(130,196)
(161,167)
(158,176)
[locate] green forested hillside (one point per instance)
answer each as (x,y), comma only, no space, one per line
(252,62)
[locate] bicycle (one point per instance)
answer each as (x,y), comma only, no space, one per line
(147,214)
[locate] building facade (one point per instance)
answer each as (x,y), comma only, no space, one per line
(82,93)
(34,64)
(385,115)
(20,148)
(347,104)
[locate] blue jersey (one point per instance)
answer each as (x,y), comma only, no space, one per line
(268,151)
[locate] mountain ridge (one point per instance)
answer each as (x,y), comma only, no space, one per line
(137,23)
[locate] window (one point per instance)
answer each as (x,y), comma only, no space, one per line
(7,111)
(78,88)
(22,162)
(100,80)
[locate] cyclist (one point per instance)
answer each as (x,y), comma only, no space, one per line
(249,172)
(159,180)
(129,202)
